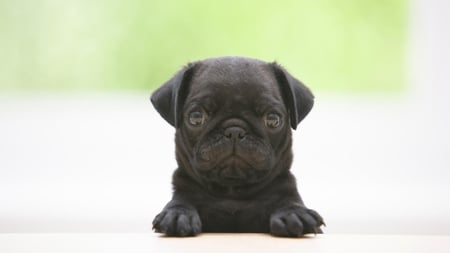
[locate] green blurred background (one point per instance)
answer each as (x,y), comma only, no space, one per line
(337,45)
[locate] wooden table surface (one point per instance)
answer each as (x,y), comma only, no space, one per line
(217,243)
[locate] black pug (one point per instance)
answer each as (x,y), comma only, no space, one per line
(233,147)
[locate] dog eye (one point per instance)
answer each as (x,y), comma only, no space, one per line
(272,120)
(197,118)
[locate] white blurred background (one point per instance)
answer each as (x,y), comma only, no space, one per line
(369,163)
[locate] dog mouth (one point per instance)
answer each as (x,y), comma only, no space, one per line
(231,163)
(233,170)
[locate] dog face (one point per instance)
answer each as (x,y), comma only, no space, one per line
(233,117)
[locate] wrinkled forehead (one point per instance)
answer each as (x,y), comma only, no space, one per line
(234,82)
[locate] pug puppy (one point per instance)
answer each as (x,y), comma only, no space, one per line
(233,118)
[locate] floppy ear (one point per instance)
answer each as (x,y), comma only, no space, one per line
(298,98)
(168,99)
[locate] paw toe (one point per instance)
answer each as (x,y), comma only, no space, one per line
(177,222)
(295,222)
(286,225)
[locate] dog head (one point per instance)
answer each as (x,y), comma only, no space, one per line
(233,117)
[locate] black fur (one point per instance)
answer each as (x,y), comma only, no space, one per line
(233,173)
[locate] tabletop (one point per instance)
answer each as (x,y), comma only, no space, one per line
(217,243)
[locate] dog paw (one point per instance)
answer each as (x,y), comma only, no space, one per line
(295,222)
(178,221)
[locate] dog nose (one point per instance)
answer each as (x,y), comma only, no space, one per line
(234,132)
